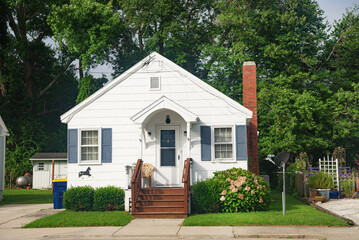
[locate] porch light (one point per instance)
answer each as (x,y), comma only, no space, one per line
(168,120)
(185,133)
(149,133)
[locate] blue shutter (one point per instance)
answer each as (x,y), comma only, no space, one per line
(106,143)
(72,146)
(206,143)
(241,142)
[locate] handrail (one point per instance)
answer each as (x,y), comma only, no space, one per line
(137,170)
(136,184)
(187,183)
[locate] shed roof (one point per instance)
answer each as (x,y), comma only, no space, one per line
(49,156)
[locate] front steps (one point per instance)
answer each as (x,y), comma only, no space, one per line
(160,203)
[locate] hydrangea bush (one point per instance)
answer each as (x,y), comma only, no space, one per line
(242,191)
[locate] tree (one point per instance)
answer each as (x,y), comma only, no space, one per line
(178,30)
(36,84)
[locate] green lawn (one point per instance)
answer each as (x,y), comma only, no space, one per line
(23,196)
(82,219)
(298,213)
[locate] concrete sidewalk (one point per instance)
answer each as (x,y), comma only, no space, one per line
(171,229)
(14,216)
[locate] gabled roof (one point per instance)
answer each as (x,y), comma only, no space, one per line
(4,129)
(164,103)
(66,117)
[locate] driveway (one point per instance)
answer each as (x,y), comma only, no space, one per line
(18,215)
(346,207)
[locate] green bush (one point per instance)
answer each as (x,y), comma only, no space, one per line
(109,198)
(79,198)
(205,197)
(320,180)
(242,191)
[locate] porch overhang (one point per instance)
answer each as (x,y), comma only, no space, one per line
(164,103)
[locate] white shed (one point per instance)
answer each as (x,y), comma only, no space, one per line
(3,133)
(42,169)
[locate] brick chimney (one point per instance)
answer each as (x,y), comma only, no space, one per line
(250,102)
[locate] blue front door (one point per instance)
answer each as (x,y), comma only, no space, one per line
(169,162)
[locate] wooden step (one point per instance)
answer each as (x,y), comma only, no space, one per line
(162,191)
(179,208)
(172,196)
(160,215)
(167,202)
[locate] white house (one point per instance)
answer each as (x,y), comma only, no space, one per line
(3,133)
(42,169)
(158,112)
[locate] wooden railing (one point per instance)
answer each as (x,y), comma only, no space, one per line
(187,183)
(136,184)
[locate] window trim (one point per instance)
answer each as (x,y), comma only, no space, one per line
(99,135)
(223,160)
(159,84)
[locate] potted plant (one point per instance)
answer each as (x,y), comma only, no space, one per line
(322,182)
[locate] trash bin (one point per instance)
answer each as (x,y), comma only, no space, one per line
(60,186)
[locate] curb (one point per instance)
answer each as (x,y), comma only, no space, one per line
(347,220)
(288,236)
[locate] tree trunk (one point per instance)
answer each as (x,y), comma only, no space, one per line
(81,72)
(29,74)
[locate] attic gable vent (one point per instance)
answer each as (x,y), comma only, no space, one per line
(155,83)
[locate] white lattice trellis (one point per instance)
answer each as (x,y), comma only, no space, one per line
(330,166)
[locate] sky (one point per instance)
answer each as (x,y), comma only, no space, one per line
(333,10)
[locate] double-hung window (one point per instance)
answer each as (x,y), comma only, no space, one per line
(89,143)
(223,143)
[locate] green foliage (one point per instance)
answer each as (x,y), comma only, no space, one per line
(232,190)
(88,85)
(109,198)
(320,180)
(86,28)
(348,187)
(79,198)
(205,196)
(241,191)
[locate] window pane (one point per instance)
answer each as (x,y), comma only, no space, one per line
(89,137)
(223,151)
(222,135)
(89,153)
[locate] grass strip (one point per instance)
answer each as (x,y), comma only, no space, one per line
(297,213)
(82,219)
(24,196)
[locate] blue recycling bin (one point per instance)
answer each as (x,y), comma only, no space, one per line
(60,186)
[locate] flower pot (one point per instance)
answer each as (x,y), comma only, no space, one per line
(324,192)
(333,194)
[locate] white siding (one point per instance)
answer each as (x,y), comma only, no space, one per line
(115,108)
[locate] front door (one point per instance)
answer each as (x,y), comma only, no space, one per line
(168,157)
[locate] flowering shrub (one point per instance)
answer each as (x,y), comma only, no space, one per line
(241,191)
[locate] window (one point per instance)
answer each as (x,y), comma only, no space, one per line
(89,143)
(155,83)
(41,166)
(223,143)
